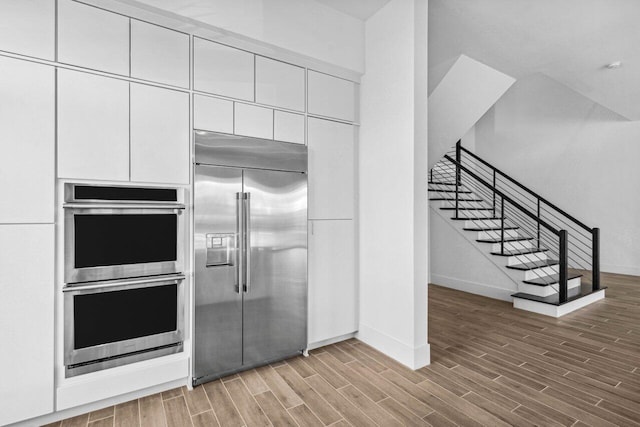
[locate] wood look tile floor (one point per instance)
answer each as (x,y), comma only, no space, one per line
(491,365)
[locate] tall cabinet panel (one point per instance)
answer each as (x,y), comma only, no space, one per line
(159,54)
(223,70)
(27,141)
(332,287)
(159,135)
(37,38)
(331,169)
(93,127)
(93,38)
(26,321)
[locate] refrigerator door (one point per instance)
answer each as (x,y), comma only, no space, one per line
(218,301)
(275,296)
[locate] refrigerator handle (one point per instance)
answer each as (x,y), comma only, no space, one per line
(239,249)
(247,248)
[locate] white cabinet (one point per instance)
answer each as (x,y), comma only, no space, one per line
(332,286)
(288,127)
(223,70)
(253,121)
(279,84)
(331,96)
(93,127)
(27,141)
(26,321)
(159,54)
(212,114)
(28,27)
(93,38)
(159,135)
(331,169)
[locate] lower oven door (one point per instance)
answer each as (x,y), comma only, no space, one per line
(115,319)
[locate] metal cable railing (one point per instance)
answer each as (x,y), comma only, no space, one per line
(541,224)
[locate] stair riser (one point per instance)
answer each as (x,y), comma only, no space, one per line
(473,214)
(487,223)
(545,291)
(543,271)
(520,259)
(521,244)
(495,234)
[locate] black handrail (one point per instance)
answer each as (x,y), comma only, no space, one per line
(504,196)
(542,199)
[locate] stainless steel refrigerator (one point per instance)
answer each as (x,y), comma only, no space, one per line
(250,211)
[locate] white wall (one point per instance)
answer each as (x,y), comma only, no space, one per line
(392,176)
(302,26)
(465,93)
(575,153)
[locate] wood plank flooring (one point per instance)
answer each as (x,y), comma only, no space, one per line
(492,365)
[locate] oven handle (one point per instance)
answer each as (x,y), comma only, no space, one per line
(123,206)
(173,279)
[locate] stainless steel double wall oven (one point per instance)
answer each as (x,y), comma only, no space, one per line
(124,291)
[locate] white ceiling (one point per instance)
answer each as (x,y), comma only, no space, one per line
(571,41)
(361,9)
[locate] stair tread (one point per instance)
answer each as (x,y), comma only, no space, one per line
(453,200)
(512,252)
(488,228)
(449,191)
(534,264)
(551,299)
(464,208)
(551,279)
(508,239)
(441,183)
(490,218)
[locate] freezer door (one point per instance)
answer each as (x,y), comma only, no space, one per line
(218,301)
(275,295)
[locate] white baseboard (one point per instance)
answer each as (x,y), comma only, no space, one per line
(318,344)
(412,357)
(621,269)
(473,287)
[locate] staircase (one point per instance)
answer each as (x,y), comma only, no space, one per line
(554,256)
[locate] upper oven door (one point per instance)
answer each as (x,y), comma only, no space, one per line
(118,242)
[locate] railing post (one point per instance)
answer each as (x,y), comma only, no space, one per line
(457,188)
(501,225)
(459,160)
(595,262)
(538,222)
(494,192)
(564,261)
(431,175)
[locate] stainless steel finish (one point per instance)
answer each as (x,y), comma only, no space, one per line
(267,320)
(127,283)
(73,356)
(69,196)
(218,303)
(236,151)
(275,308)
(120,361)
(173,207)
(247,238)
(75,275)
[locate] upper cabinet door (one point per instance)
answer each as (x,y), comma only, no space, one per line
(93,38)
(212,114)
(27,141)
(251,120)
(331,96)
(159,54)
(93,126)
(288,127)
(331,169)
(223,70)
(159,135)
(279,84)
(28,27)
